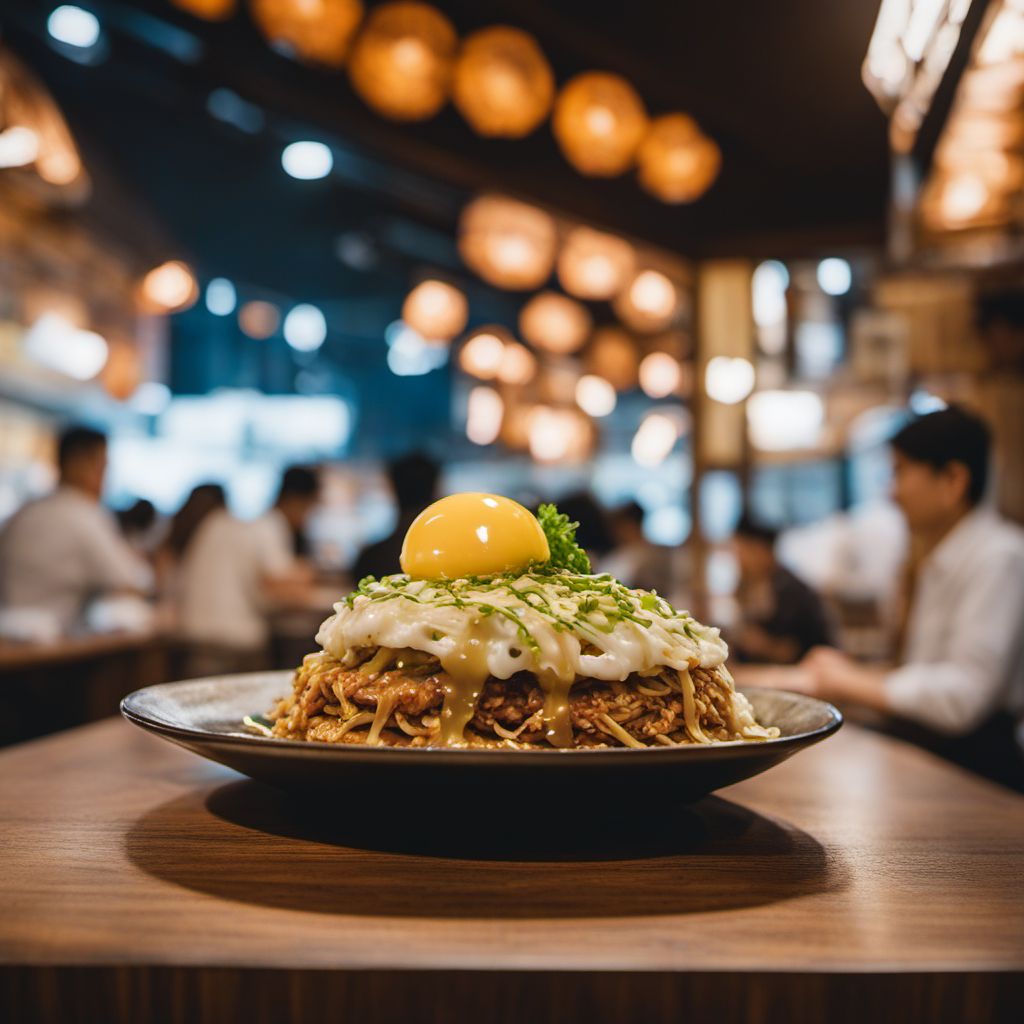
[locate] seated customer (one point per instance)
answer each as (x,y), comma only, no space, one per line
(60,553)
(413,479)
(234,573)
(961,677)
(634,559)
(782,617)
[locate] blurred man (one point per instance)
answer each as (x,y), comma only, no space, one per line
(414,484)
(962,673)
(234,573)
(783,618)
(63,551)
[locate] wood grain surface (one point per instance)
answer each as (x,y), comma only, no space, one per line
(144,883)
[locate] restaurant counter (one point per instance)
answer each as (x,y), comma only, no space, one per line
(863,880)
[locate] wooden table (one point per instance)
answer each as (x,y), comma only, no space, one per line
(861,881)
(75,679)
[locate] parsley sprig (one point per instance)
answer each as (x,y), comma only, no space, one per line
(561,535)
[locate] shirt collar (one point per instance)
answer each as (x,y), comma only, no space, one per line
(957,544)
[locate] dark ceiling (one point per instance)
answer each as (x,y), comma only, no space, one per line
(776,84)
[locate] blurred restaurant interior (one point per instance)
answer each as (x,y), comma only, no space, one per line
(700,282)
(738,286)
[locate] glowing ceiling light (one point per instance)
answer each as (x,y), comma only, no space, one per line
(305,328)
(834,276)
(728,380)
(259,319)
(518,364)
(56,343)
(963,197)
(660,375)
(768,291)
(654,440)
(785,420)
(307,161)
(410,355)
(220,297)
(594,395)
(437,310)
(168,288)
(484,415)
(73,26)
(18,146)
(482,354)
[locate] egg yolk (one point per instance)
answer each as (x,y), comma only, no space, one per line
(472,535)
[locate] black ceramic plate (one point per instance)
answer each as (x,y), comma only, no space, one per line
(205,716)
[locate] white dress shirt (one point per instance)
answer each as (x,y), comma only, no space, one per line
(964,656)
(59,553)
(220,595)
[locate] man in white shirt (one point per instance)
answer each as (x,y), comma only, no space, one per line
(962,674)
(235,572)
(63,551)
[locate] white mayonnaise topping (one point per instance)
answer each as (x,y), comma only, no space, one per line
(538,622)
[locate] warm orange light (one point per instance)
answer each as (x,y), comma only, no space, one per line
(258,319)
(676,162)
(649,302)
(612,355)
(594,265)
(401,63)
(503,84)
(168,288)
(435,310)
(482,354)
(211,10)
(518,364)
(320,31)
(599,122)
(122,373)
(555,323)
(508,243)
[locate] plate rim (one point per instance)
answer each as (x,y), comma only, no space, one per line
(312,748)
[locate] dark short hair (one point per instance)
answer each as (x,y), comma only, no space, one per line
(76,441)
(414,480)
(630,511)
(949,435)
(299,482)
(756,529)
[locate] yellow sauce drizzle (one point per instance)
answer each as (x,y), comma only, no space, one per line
(467,672)
(556,717)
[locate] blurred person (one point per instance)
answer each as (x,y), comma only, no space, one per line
(959,686)
(593,534)
(62,553)
(633,558)
(202,500)
(413,479)
(782,617)
(138,524)
(235,573)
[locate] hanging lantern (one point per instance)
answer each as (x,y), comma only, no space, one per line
(401,63)
(555,323)
(649,302)
(210,10)
(518,364)
(594,265)
(122,373)
(319,31)
(258,319)
(503,85)
(559,434)
(435,310)
(599,122)
(483,351)
(612,355)
(508,243)
(677,162)
(168,288)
